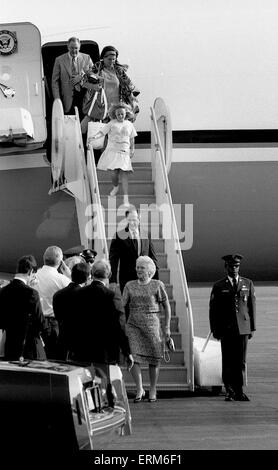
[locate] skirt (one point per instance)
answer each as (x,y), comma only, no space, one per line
(114,160)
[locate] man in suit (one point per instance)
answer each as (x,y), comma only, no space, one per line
(125,248)
(66,310)
(232,315)
(100,330)
(68,72)
(21,314)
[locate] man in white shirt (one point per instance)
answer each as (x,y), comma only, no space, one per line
(49,282)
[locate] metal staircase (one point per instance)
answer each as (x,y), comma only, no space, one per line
(99,216)
(173,375)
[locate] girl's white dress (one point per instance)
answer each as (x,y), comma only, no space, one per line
(117,153)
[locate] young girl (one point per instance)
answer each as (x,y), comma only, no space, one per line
(120,147)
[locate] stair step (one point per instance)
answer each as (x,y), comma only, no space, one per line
(168,375)
(148,212)
(135,187)
(169,290)
(177,339)
(176,358)
(157,244)
(164,275)
(173,306)
(139,173)
(174,325)
(162,260)
(136,200)
(163,387)
(154,231)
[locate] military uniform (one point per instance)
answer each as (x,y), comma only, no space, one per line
(232,315)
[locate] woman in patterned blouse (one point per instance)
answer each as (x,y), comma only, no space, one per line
(143,299)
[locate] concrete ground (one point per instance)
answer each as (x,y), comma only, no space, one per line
(201,421)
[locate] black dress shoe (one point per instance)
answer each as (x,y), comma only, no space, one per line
(230,396)
(241,397)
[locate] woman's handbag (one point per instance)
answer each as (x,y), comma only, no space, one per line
(169,345)
(95,104)
(93,128)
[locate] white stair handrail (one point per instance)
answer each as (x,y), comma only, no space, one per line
(78,178)
(164,130)
(69,172)
(98,210)
(163,193)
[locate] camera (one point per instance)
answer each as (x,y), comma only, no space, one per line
(94,78)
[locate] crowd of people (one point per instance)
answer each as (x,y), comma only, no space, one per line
(75,308)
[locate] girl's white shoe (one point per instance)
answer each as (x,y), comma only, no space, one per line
(114,191)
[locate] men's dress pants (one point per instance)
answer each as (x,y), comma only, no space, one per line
(50,337)
(77,101)
(234,349)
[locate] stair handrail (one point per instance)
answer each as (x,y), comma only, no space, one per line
(68,166)
(163,117)
(183,285)
(98,212)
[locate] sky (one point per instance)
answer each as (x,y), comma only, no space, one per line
(214,61)
(57,19)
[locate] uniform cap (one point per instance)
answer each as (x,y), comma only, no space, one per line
(74,251)
(89,255)
(232,259)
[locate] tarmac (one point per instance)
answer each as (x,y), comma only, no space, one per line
(202,421)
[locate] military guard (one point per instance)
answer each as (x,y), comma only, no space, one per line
(87,254)
(232,313)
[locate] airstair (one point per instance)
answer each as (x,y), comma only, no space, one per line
(100,216)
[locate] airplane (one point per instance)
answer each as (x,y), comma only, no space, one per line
(222,179)
(224,136)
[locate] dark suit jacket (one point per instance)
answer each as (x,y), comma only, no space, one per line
(230,311)
(123,252)
(99,333)
(62,74)
(66,313)
(21,316)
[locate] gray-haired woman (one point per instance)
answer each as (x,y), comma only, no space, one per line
(143,298)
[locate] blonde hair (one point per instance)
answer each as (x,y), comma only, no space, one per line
(147,261)
(113,108)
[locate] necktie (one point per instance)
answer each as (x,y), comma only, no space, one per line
(135,237)
(234,284)
(74,72)
(73,67)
